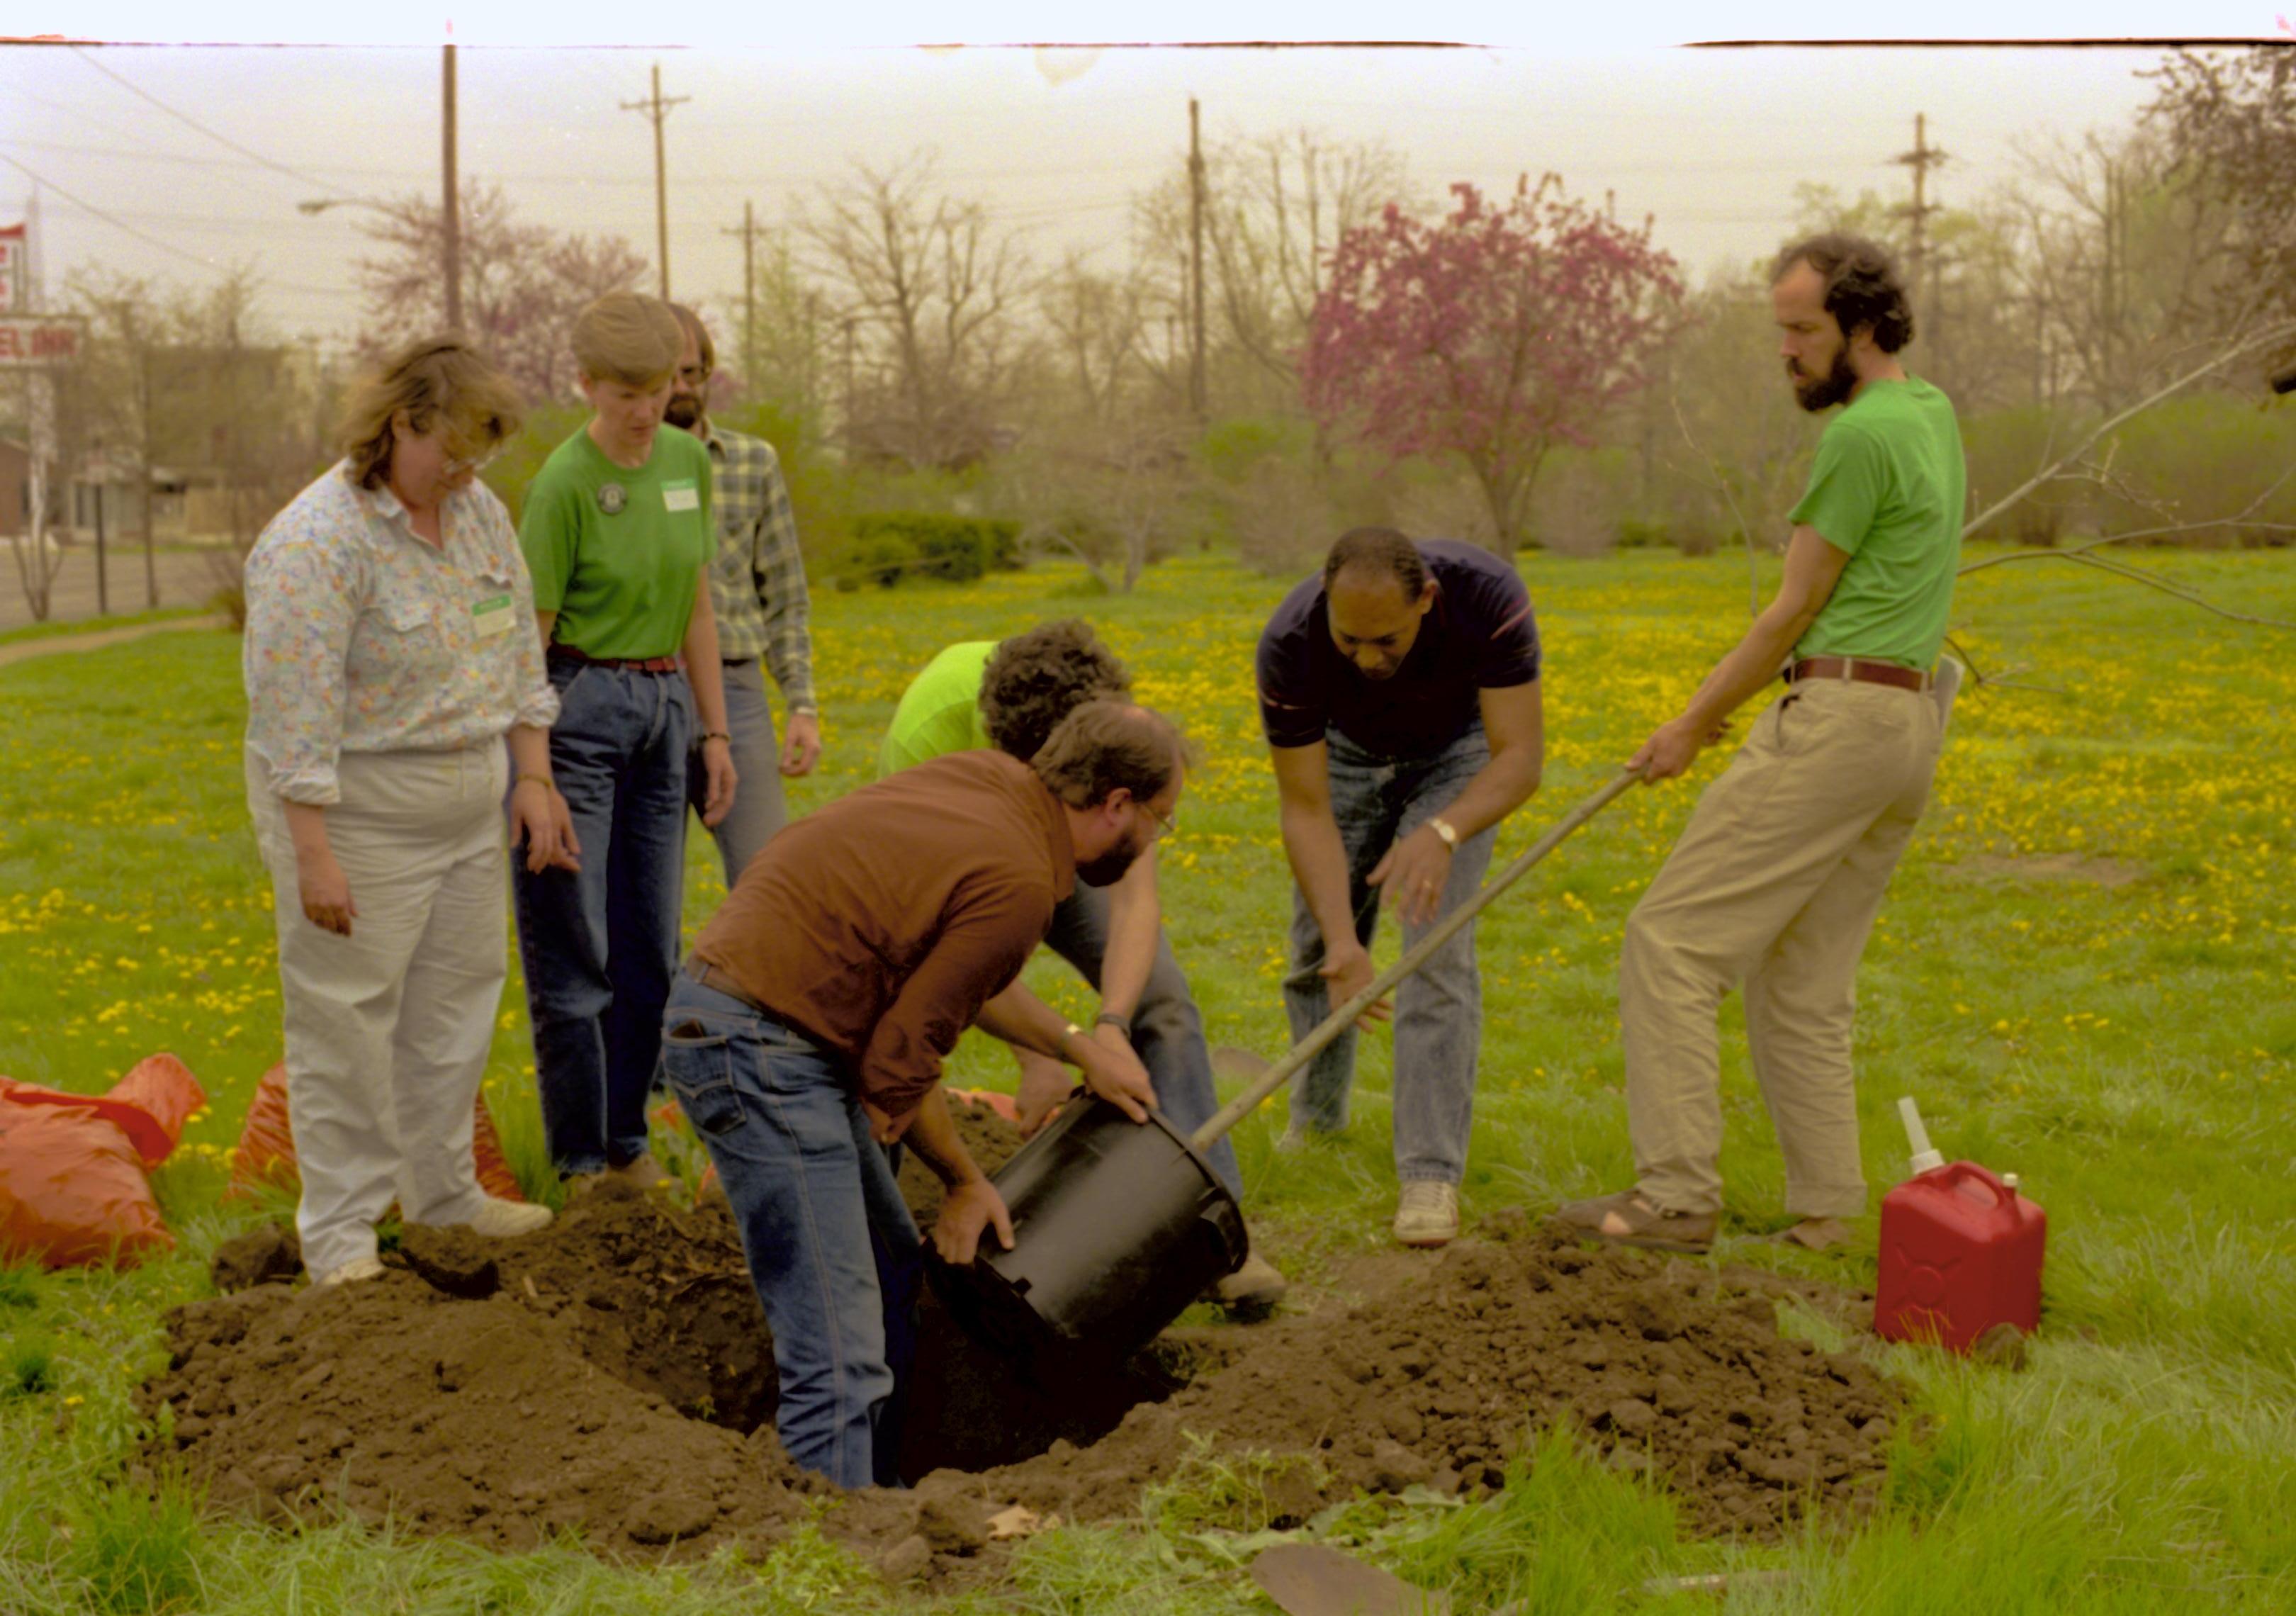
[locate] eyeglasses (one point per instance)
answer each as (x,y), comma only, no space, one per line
(456,465)
(1165,827)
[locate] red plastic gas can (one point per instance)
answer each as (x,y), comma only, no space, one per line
(1961,1252)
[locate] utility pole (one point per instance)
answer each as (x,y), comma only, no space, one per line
(1922,159)
(450,201)
(1196,255)
(749,234)
(849,389)
(657,109)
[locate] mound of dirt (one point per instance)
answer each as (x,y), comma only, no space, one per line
(612,1376)
(1445,1370)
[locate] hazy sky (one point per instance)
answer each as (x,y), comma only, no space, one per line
(1713,143)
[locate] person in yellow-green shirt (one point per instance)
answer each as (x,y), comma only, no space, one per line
(1778,878)
(987,695)
(619,534)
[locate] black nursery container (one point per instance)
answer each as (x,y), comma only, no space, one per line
(1117,1225)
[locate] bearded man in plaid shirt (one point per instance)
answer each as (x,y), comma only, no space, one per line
(758,589)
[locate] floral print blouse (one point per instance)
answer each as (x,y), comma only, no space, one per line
(362,637)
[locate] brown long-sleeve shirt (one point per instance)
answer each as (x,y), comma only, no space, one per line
(879,924)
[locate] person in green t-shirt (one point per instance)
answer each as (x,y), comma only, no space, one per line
(619,536)
(1776,880)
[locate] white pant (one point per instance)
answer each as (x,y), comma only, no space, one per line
(387,1029)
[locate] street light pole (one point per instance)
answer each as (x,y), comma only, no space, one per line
(450,210)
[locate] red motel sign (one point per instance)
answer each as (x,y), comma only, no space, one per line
(33,340)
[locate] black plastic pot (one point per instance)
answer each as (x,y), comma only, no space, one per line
(1118,1226)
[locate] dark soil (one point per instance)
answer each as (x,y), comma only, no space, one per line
(612,1376)
(1444,1369)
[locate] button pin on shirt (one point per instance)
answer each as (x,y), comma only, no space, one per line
(611,498)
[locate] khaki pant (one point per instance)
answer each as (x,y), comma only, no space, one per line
(387,1029)
(1774,884)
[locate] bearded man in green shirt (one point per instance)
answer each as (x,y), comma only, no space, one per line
(1779,875)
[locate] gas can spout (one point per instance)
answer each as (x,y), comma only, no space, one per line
(1918,1137)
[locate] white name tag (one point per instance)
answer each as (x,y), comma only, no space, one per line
(492,616)
(681,496)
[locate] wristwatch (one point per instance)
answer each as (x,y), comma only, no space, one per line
(1442,827)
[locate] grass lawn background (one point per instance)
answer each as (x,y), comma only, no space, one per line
(2084,973)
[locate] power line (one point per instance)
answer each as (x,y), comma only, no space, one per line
(118,222)
(113,220)
(191,122)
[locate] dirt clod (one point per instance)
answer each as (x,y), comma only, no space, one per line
(259,1256)
(458,1266)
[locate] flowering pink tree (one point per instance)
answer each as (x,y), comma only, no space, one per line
(1492,335)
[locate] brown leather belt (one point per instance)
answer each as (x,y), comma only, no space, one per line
(635,664)
(1861,671)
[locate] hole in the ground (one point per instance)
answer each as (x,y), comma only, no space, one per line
(660,1300)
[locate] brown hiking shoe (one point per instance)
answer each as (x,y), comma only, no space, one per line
(1628,1220)
(1252,1290)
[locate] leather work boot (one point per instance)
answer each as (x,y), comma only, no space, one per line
(1427,1213)
(641,1172)
(1253,1290)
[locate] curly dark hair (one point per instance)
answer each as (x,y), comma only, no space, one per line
(1863,286)
(1036,679)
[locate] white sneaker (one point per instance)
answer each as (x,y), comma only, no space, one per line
(1427,1213)
(498,1218)
(357,1267)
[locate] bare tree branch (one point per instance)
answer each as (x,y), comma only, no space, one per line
(2269,335)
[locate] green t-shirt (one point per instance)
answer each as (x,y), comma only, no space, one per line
(619,554)
(1888,487)
(940,710)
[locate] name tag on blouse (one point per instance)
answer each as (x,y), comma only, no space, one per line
(491,616)
(681,495)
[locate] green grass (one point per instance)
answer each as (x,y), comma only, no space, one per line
(92,625)
(2124,1044)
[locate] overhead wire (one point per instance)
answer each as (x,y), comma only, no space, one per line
(149,240)
(112,219)
(187,119)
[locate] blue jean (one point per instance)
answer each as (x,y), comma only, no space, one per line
(1438,1010)
(757,810)
(831,1248)
(1167,1031)
(599,946)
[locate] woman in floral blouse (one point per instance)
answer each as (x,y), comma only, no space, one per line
(390,647)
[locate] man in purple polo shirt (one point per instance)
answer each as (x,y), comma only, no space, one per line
(1399,692)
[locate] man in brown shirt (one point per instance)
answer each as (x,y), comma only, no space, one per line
(809,1027)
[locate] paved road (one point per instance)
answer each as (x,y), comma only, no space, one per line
(186,577)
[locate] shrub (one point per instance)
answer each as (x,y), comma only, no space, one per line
(2203,458)
(890,544)
(2006,447)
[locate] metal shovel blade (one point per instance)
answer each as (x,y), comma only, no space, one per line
(1314,1580)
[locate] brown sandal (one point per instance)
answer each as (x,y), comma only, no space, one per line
(1644,1224)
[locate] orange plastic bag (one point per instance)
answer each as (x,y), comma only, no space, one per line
(72,1189)
(149,1105)
(267,1144)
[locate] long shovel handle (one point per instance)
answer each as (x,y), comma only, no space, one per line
(1308,1048)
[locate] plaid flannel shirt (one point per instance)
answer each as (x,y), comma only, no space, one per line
(757,585)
